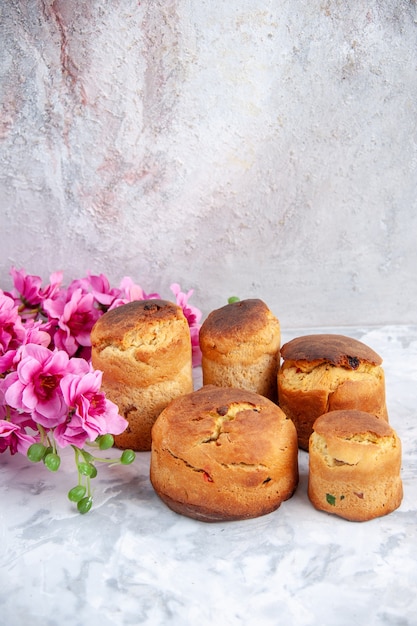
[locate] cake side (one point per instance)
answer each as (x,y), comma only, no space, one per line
(144,350)
(240,346)
(354,465)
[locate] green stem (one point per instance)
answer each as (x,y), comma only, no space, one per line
(77,458)
(88,481)
(42,434)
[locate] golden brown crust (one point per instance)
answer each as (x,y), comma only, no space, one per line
(117,325)
(345,424)
(330,348)
(354,465)
(223,454)
(236,322)
(141,342)
(240,345)
(144,351)
(346,375)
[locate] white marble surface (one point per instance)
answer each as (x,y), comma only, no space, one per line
(133,561)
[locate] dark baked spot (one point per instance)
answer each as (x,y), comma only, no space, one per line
(353,362)
(127,414)
(222,410)
(151,306)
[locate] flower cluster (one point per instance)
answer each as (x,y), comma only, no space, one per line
(50,395)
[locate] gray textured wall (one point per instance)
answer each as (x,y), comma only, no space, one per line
(263,149)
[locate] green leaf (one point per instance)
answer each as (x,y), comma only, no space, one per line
(233,299)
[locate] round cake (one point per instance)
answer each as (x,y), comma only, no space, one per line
(144,351)
(221,454)
(240,345)
(354,465)
(328,372)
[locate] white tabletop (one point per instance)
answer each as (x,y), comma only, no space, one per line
(131,560)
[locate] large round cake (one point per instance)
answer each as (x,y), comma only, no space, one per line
(222,454)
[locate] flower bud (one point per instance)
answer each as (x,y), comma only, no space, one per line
(127,457)
(105,441)
(36,452)
(87,469)
(77,493)
(85,504)
(52,461)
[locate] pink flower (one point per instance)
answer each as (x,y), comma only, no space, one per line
(91,414)
(28,289)
(6,431)
(32,333)
(193,316)
(99,286)
(37,332)
(129,292)
(75,318)
(14,437)
(34,387)
(12,332)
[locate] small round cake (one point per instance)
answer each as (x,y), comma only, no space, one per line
(354,466)
(240,345)
(221,454)
(328,372)
(144,351)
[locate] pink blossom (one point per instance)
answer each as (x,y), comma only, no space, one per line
(193,315)
(78,366)
(34,387)
(12,332)
(99,286)
(11,327)
(37,332)
(7,429)
(6,361)
(91,413)
(129,292)
(75,318)
(32,333)
(14,437)
(28,288)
